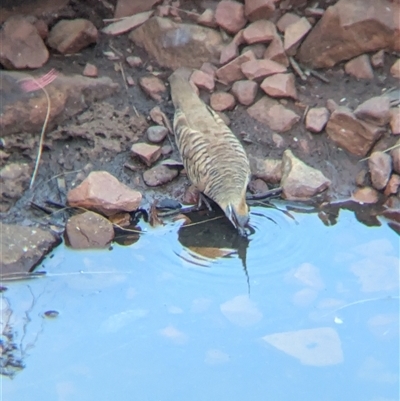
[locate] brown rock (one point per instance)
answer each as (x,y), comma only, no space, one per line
(229,52)
(351,134)
(147,153)
(393,185)
(89,230)
(175,45)
(395,120)
(286,20)
(203,80)
(258,186)
(245,92)
(21,46)
(259,9)
(209,69)
(269,170)
(378,59)
(259,69)
(159,175)
(359,67)
(261,31)
(258,49)
(365,195)
(126,8)
(395,153)
(375,110)
(273,114)
(331,105)
(221,101)
(362,178)
(280,85)
(294,34)
(71,36)
(90,70)
(300,181)
(380,168)
(276,52)
(360,26)
(316,119)
(395,69)
(153,87)
(41,27)
(156,133)
(232,71)
(229,15)
(102,192)
(207,18)
(127,24)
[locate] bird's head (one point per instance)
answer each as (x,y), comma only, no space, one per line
(238,214)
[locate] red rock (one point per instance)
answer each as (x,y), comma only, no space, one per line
(280,85)
(380,168)
(245,92)
(360,26)
(209,69)
(258,186)
(259,9)
(395,69)
(270,112)
(147,153)
(42,28)
(261,31)
(102,192)
(393,185)
(126,8)
(276,52)
(153,87)
(207,18)
(71,36)
(294,34)
(90,70)
(378,59)
(229,15)
(232,71)
(127,24)
(269,170)
(159,175)
(375,110)
(351,134)
(395,120)
(21,46)
(156,133)
(317,118)
(229,52)
(286,20)
(203,80)
(366,195)
(359,67)
(88,230)
(134,61)
(259,69)
(221,101)
(258,49)
(395,154)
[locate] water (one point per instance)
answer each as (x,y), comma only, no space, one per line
(302,311)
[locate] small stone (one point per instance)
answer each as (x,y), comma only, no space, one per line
(360,67)
(294,34)
(395,153)
(153,87)
(331,105)
(245,92)
(191,196)
(102,192)
(380,168)
(286,20)
(209,69)
(276,52)
(134,61)
(269,170)
(147,153)
(316,119)
(395,69)
(259,9)
(90,70)
(393,185)
(121,219)
(221,101)
(261,31)
(258,186)
(159,175)
(71,36)
(232,71)
(156,133)
(229,15)
(278,140)
(280,85)
(207,18)
(203,80)
(258,49)
(395,120)
(378,59)
(130,81)
(366,195)
(300,181)
(374,111)
(127,24)
(89,230)
(362,178)
(42,28)
(229,52)
(259,69)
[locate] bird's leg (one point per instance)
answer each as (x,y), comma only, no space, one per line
(203,199)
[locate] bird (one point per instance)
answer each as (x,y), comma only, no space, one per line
(214,159)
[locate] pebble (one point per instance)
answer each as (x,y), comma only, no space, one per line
(375,110)
(207,18)
(245,91)
(258,186)
(90,70)
(380,168)
(259,69)
(159,175)
(261,31)
(156,133)
(280,85)
(360,67)
(221,101)
(232,71)
(276,52)
(259,9)
(286,20)
(366,195)
(269,170)
(203,80)
(153,86)
(229,15)
(378,59)
(147,153)
(294,34)
(316,119)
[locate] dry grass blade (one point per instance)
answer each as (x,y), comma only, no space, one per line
(384,151)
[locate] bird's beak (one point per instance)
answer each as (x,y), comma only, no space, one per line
(239,221)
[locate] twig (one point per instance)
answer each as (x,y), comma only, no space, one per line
(297,69)
(202,222)
(185,11)
(384,151)
(303,117)
(318,75)
(123,75)
(265,195)
(135,110)
(115,50)
(128,229)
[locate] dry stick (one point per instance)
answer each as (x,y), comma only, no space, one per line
(318,75)
(202,222)
(297,69)
(185,11)
(303,117)
(384,151)
(128,229)
(123,74)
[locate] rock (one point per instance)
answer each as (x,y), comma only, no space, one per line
(351,134)
(362,178)
(280,85)
(378,59)
(175,45)
(331,105)
(360,26)
(147,153)
(14,180)
(258,186)
(395,69)
(22,248)
(286,20)
(221,101)
(374,111)
(359,67)
(258,49)
(395,153)
(276,52)
(203,80)
(259,9)
(209,69)
(278,140)
(300,181)
(103,193)
(21,46)
(269,170)
(229,15)
(259,69)
(273,114)
(71,36)
(395,120)
(232,71)
(166,150)
(156,133)
(88,230)
(207,18)
(127,24)
(90,70)
(126,8)
(229,52)
(365,195)
(134,61)
(261,31)
(245,92)
(159,175)
(294,34)
(153,87)
(393,185)
(380,168)
(316,119)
